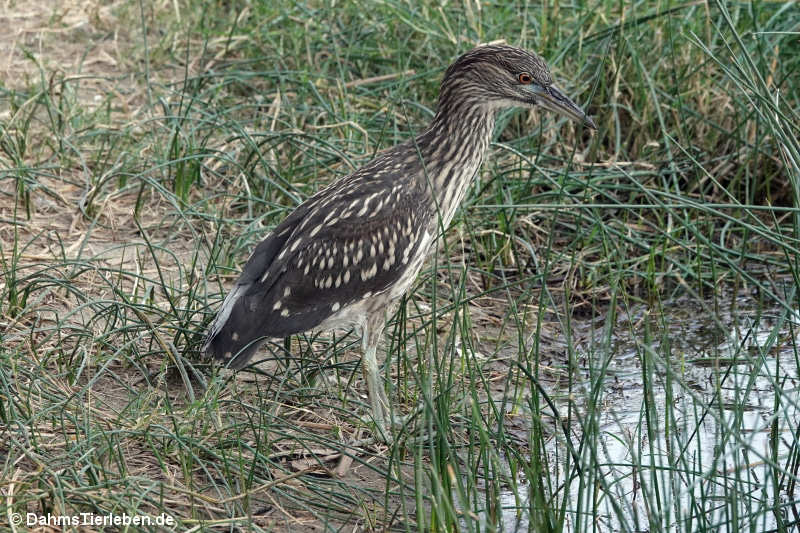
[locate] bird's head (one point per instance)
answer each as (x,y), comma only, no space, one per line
(498,76)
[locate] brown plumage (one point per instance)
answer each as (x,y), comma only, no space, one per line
(343,256)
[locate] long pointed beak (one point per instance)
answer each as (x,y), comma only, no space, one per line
(553,99)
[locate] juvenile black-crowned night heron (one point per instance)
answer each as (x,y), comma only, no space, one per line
(344,255)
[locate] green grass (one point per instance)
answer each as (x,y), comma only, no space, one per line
(606,339)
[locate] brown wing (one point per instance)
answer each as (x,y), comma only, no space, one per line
(354,239)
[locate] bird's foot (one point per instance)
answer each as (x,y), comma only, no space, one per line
(387,425)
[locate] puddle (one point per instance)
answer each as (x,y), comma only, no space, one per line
(723,379)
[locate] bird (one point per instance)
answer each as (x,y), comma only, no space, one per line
(345,255)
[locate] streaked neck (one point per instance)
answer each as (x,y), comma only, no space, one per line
(453,149)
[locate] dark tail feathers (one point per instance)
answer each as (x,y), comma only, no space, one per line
(233,335)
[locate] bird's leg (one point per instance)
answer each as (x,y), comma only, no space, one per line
(371,332)
(377,393)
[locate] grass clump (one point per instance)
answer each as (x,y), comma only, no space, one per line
(605,340)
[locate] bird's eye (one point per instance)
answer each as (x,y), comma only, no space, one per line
(525,78)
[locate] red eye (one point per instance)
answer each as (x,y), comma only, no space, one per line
(525,78)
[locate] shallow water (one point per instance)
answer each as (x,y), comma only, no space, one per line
(716,379)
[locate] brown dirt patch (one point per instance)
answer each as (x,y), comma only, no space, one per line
(72,37)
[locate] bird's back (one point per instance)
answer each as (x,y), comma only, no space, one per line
(350,242)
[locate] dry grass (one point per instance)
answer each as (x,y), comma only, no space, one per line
(142,154)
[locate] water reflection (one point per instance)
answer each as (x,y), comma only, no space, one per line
(704,430)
